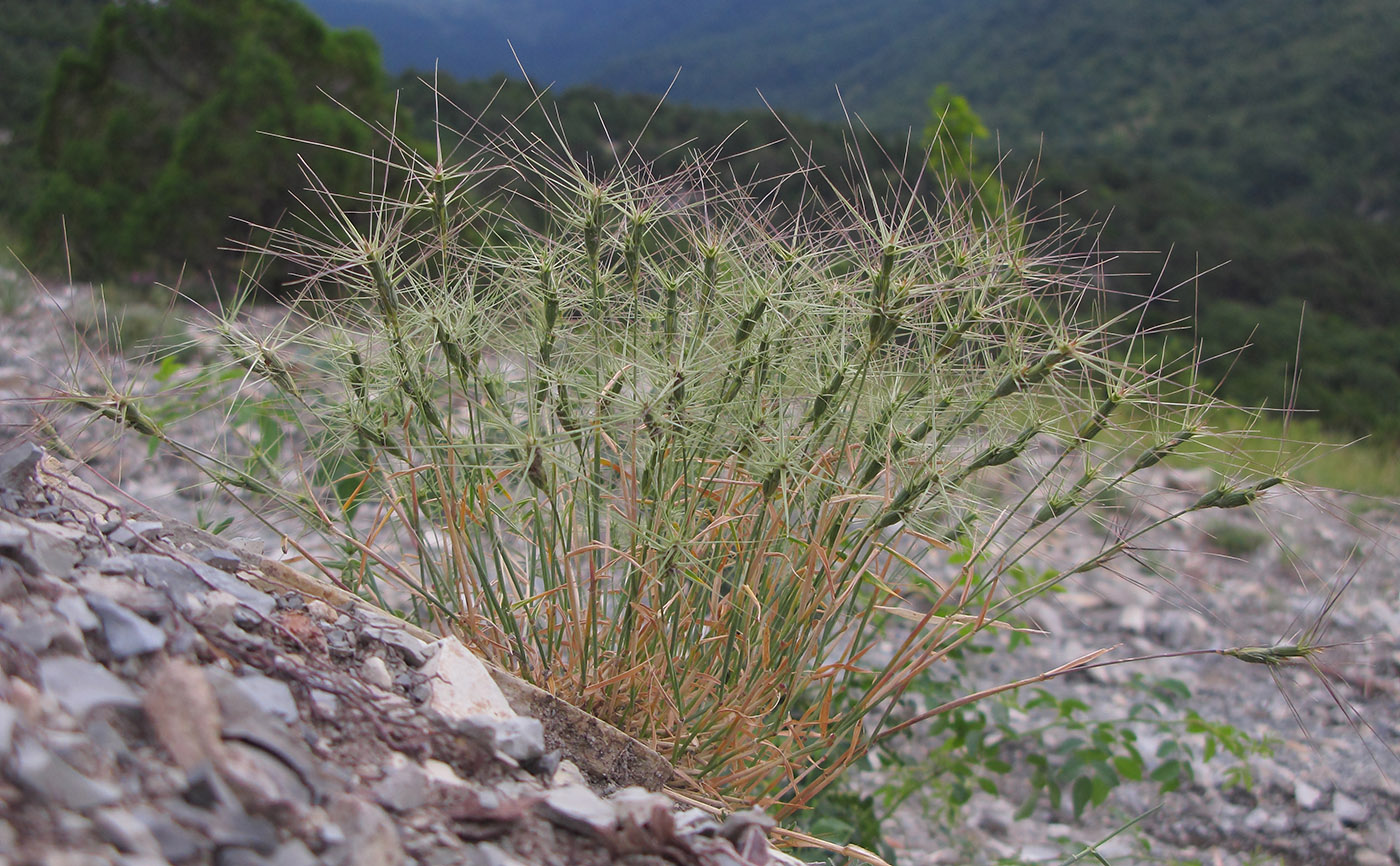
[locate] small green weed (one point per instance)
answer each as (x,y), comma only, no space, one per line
(1235,540)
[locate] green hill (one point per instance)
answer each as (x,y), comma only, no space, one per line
(1269,101)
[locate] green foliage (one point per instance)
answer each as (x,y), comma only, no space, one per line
(951,134)
(1232,539)
(177,125)
(32,36)
(844,817)
(1316,299)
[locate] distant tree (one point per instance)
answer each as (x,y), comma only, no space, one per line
(184,117)
(951,137)
(952,131)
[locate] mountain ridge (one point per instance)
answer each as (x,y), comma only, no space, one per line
(1273,102)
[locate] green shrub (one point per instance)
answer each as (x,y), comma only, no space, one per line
(1235,540)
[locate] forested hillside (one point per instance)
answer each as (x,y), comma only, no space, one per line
(1254,135)
(1270,101)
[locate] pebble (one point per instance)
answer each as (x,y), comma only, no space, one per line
(224,560)
(414,651)
(403,788)
(49,776)
(81,686)
(1309,797)
(117,565)
(18,465)
(126,633)
(271,696)
(38,634)
(577,808)
(521,738)
(127,832)
(325,704)
(175,842)
(371,837)
(132,532)
(181,580)
(9,716)
(322,611)
(11,582)
(1350,811)
(376,673)
(72,607)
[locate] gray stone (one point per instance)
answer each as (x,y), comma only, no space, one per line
(11,581)
(577,808)
(127,832)
(13,539)
(18,465)
(325,704)
(245,719)
(8,717)
(179,579)
(1309,797)
(132,532)
(521,738)
(127,634)
(49,776)
(271,696)
(255,599)
(80,686)
(403,788)
(224,560)
(491,854)
(38,634)
(118,565)
(261,779)
(224,826)
(1350,811)
(414,651)
(376,673)
(371,839)
(170,577)
(39,548)
(72,607)
(293,853)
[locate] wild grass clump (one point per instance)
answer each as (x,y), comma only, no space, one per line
(685,459)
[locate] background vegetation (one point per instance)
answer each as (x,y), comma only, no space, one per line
(171,130)
(1256,133)
(1251,133)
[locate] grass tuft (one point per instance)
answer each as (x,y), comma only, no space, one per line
(685,459)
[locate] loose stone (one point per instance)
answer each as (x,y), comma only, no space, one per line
(49,776)
(80,685)
(224,560)
(127,634)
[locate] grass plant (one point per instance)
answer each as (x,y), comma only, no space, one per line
(689,460)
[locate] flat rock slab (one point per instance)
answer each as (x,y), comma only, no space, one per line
(81,686)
